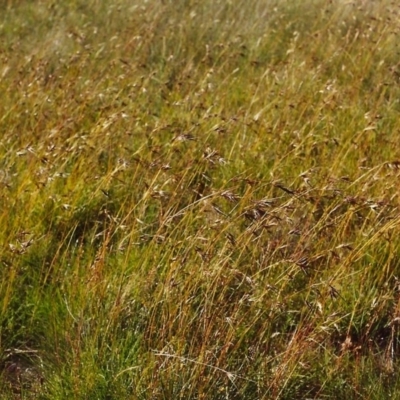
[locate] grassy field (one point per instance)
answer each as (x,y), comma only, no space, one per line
(199,199)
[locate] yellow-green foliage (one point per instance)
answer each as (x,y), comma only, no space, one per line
(199,199)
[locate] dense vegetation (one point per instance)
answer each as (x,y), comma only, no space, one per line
(199,199)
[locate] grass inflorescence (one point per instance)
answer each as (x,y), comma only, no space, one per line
(199,199)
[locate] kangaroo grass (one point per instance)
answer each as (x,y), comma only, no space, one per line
(199,200)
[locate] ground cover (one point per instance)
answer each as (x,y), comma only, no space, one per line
(199,199)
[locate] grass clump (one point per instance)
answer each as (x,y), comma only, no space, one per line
(199,200)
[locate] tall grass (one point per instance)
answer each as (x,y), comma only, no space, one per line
(199,199)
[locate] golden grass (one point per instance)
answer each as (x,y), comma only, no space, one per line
(199,199)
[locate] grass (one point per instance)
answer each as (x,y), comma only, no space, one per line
(199,200)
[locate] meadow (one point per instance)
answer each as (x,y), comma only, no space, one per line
(199,199)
